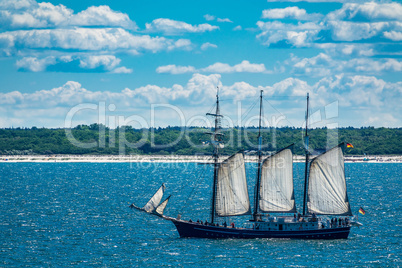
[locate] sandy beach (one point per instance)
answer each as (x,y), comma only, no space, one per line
(169,158)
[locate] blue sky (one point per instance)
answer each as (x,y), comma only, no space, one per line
(158,63)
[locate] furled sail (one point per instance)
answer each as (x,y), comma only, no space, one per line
(327,185)
(276,184)
(159,210)
(231,189)
(155,200)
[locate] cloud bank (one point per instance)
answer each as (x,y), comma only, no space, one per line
(243,67)
(353,22)
(377,98)
(40,35)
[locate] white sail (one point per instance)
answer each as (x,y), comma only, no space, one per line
(155,200)
(162,206)
(327,185)
(231,189)
(276,185)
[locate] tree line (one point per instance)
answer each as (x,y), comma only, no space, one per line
(99,139)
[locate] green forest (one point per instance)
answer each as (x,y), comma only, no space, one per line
(98,139)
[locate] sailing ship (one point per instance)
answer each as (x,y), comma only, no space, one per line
(325,195)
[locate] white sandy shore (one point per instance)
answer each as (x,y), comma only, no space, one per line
(167,158)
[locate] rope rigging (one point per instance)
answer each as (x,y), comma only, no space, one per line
(199,175)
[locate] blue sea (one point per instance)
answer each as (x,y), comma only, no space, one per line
(77,214)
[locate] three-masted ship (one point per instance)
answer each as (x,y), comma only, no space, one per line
(326,209)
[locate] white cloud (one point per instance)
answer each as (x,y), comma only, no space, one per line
(98,29)
(300,35)
(324,65)
(240,91)
(348,49)
(224,20)
(69,93)
(72,93)
(209,17)
(198,89)
(361,91)
(321,65)
(382,119)
(174,27)
(237,28)
(244,66)
(352,22)
(207,45)
(393,35)
(107,63)
(378,99)
(374,98)
(45,15)
(122,70)
(203,87)
(351,31)
(89,39)
(371,11)
(289,12)
(370,66)
(11,98)
(153,93)
(173,69)
(40,15)
(102,16)
(281,13)
(16,4)
(291,87)
(34,64)
(184,44)
(363,21)
(95,61)
(276,25)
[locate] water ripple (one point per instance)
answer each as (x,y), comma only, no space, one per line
(65,214)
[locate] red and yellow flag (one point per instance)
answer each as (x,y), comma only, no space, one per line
(361,210)
(349,145)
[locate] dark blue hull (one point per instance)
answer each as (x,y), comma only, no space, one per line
(191,229)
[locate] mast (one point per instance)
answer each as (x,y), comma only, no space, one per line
(307,159)
(258,182)
(215,143)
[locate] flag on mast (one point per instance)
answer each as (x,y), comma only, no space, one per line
(361,210)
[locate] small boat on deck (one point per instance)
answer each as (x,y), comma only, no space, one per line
(326,210)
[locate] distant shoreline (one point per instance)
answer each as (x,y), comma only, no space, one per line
(166,158)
